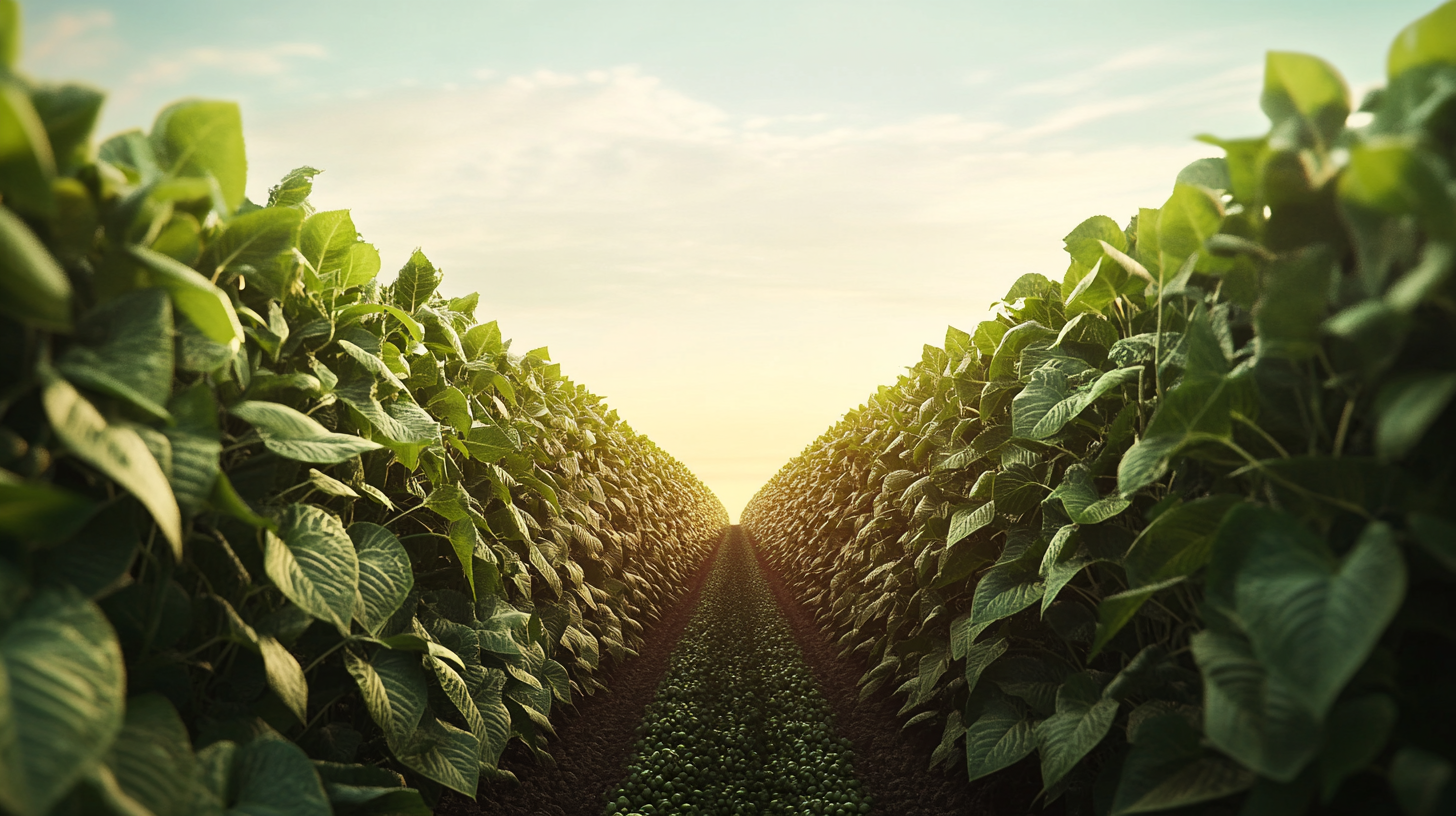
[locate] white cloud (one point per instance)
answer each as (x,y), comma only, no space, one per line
(69,42)
(731,284)
(270,61)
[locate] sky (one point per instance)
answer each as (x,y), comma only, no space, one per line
(734,220)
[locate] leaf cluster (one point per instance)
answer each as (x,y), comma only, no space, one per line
(275,536)
(1182,525)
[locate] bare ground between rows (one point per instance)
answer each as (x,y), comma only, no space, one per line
(594,738)
(894,765)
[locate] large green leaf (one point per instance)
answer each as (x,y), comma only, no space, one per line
(1428,41)
(1169,768)
(1116,610)
(1178,542)
(115,450)
(27,165)
(1311,618)
(294,435)
(312,561)
(204,138)
(392,684)
(416,282)
(1305,95)
(195,446)
(1080,499)
(1190,216)
(968,520)
(1000,737)
(1290,312)
(62,695)
(326,239)
(1083,718)
(385,575)
(1043,408)
(1195,411)
(1255,716)
(285,676)
(207,306)
(1407,408)
(152,758)
(38,510)
(253,239)
(126,350)
(441,752)
(273,777)
(34,288)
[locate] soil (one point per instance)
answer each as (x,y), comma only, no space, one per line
(894,765)
(594,739)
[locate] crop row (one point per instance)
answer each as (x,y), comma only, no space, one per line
(738,725)
(1183,524)
(275,536)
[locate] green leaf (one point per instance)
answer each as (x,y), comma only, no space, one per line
(1391,176)
(393,687)
(1178,542)
(204,138)
(1355,734)
(207,306)
(1008,352)
(1428,41)
(1080,499)
(195,446)
(1169,768)
(1004,590)
(999,738)
(1190,216)
(1084,244)
(416,282)
(152,758)
(313,563)
(27,165)
(294,189)
(489,442)
(1253,715)
(272,776)
(126,350)
(466,541)
(1291,309)
(443,753)
(1114,612)
(1212,173)
(1437,536)
(979,657)
(1422,782)
(39,511)
(1407,407)
(115,450)
(385,575)
(482,339)
(62,693)
(967,520)
(1082,720)
(285,676)
(34,288)
(369,790)
(349,314)
(253,239)
(1195,411)
(1312,619)
(1306,94)
(294,435)
(9,34)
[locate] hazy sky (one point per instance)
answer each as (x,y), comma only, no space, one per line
(732,219)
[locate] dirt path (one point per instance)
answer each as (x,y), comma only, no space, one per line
(894,764)
(594,738)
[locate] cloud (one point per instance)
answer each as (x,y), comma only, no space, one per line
(270,61)
(732,284)
(69,42)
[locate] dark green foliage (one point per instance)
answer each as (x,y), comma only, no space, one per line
(274,538)
(1182,527)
